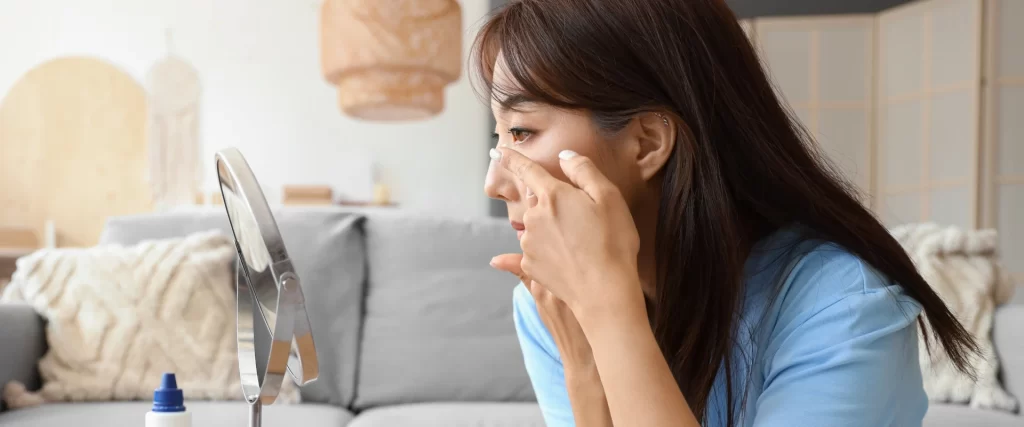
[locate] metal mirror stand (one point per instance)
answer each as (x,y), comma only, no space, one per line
(269,283)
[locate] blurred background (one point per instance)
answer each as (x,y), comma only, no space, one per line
(857,73)
(113,109)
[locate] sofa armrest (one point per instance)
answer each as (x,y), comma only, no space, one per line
(22,344)
(1008,338)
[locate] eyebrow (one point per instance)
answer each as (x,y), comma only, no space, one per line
(514,101)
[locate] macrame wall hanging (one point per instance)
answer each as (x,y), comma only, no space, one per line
(175,164)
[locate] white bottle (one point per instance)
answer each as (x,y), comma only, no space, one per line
(168,405)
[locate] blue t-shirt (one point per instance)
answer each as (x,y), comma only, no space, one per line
(838,347)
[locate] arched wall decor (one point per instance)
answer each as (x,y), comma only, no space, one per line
(73,149)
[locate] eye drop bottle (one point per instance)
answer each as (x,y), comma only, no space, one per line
(168,405)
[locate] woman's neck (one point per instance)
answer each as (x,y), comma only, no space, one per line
(646,221)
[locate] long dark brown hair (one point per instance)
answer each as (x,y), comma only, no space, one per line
(743,167)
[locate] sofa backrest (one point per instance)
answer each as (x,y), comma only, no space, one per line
(1008,339)
(327,249)
(404,306)
(438,323)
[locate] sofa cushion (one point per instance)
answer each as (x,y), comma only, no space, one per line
(1008,337)
(204,414)
(452,414)
(942,415)
(962,266)
(327,248)
(438,324)
(119,316)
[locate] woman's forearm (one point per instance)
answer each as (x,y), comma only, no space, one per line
(586,394)
(638,383)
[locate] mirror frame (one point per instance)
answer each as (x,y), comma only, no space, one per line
(292,348)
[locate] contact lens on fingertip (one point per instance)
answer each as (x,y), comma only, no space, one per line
(566,154)
(495,154)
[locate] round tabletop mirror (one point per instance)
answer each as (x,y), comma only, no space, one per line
(266,285)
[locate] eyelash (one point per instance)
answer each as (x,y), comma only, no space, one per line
(515,139)
(514,131)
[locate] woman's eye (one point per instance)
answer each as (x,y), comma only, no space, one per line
(519,135)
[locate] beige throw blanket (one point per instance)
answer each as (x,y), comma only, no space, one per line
(118,317)
(962,267)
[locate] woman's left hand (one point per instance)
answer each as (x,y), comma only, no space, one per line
(580,240)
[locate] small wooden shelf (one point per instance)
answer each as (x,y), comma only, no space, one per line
(354,204)
(15,252)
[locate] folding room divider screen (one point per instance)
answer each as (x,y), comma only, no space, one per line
(921,106)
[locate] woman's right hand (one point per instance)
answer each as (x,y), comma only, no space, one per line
(590,408)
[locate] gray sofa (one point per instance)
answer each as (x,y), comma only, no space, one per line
(413,328)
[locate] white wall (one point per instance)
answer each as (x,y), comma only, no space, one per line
(263,92)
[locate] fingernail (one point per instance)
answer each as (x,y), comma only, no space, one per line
(495,154)
(529,192)
(566,154)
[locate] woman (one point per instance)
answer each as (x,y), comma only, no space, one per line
(688,257)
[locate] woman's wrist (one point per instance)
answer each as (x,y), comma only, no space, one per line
(580,369)
(587,396)
(625,307)
(582,377)
(633,370)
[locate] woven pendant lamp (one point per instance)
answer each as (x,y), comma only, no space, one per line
(391,59)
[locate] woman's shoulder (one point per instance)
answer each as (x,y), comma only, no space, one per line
(836,328)
(814,276)
(831,270)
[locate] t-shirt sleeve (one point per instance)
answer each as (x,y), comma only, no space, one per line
(543,364)
(850,359)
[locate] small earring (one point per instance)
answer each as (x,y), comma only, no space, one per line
(663,118)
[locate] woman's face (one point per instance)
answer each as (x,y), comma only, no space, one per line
(540,132)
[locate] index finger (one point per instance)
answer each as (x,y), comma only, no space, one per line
(533,175)
(584,174)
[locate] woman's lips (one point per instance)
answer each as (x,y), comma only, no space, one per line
(519,227)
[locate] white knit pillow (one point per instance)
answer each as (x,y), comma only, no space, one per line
(118,317)
(962,267)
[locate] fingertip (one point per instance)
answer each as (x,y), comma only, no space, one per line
(496,263)
(505,262)
(501,155)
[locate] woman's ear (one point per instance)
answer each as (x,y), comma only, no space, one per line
(656,138)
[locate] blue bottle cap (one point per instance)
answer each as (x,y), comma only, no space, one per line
(168,398)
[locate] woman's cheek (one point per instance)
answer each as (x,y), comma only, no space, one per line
(551,164)
(547,157)
(544,155)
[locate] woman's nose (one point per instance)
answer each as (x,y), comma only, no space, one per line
(498,185)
